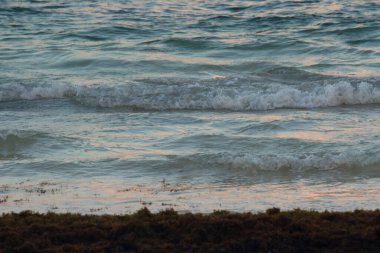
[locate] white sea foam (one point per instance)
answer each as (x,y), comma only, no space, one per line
(202,96)
(275,162)
(28,92)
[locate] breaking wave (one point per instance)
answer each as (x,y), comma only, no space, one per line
(13,138)
(12,142)
(229,95)
(276,162)
(6,135)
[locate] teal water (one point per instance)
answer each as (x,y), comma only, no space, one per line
(106,106)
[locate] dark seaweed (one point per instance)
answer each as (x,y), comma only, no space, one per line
(168,231)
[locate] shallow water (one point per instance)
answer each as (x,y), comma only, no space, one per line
(108,106)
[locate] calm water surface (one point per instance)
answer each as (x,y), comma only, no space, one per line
(108,106)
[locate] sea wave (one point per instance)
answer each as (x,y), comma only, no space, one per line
(13,141)
(234,95)
(276,162)
(18,137)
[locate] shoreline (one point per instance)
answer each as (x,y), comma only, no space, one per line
(168,231)
(109,195)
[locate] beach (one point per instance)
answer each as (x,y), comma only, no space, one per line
(109,107)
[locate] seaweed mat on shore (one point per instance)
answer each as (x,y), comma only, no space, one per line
(168,231)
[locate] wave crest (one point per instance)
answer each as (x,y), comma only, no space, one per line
(230,95)
(276,162)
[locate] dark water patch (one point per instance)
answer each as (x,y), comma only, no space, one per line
(15,137)
(22,10)
(222,18)
(15,38)
(262,46)
(118,30)
(30,146)
(275,21)
(193,43)
(56,6)
(216,23)
(150,41)
(79,63)
(238,8)
(83,36)
(355,31)
(8,156)
(13,143)
(127,11)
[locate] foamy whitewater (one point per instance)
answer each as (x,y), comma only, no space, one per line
(109,106)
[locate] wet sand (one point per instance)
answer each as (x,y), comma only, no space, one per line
(104,195)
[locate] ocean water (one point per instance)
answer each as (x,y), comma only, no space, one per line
(109,106)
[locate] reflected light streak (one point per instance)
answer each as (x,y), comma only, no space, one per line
(307,135)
